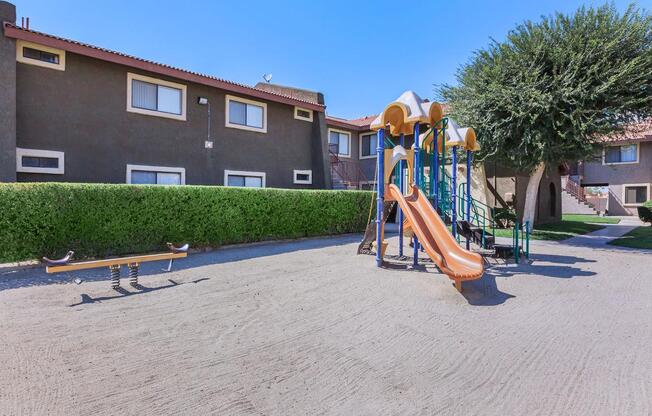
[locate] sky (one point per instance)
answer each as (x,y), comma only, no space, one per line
(360,54)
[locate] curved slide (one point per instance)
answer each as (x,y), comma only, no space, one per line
(459,264)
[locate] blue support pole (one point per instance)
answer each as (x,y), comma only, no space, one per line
(434,169)
(469,159)
(454,192)
(380,194)
(401,185)
(416,182)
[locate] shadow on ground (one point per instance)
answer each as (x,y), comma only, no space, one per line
(484,292)
(121,292)
(37,277)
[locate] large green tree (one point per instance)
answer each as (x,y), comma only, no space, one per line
(552,88)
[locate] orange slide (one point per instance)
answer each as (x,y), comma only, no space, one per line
(459,264)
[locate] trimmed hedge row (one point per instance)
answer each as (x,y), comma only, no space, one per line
(98,220)
(645,212)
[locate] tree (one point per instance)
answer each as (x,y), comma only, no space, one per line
(550,90)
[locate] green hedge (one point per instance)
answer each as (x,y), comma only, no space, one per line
(98,220)
(645,212)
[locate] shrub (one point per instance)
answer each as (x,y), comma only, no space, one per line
(98,220)
(645,212)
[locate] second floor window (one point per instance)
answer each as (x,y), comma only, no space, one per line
(621,154)
(155,97)
(246,114)
(339,141)
(368,144)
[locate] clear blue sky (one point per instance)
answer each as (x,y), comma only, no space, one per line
(360,54)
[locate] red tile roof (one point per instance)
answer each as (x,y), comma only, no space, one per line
(633,132)
(358,124)
(13,31)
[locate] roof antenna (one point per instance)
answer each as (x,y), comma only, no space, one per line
(267,78)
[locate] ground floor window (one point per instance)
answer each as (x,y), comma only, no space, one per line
(244,179)
(636,194)
(155,175)
(303,177)
(39,161)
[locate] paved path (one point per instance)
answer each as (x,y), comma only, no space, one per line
(610,232)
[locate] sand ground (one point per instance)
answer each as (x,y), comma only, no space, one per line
(309,328)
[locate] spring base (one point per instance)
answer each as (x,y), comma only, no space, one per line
(115,276)
(133,274)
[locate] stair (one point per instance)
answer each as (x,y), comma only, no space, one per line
(572,205)
(573,198)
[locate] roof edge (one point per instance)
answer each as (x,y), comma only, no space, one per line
(15,32)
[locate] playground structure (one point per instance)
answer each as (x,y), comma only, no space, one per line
(435,201)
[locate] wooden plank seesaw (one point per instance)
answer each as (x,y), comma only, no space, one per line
(132,262)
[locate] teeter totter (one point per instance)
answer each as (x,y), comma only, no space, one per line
(132,262)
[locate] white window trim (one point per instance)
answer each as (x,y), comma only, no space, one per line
(604,154)
(303,172)
(631,185)
(20,44)
(230,98)
(138,77)
(20,152)
(163,169)
(338,149)
(228,173)
(360,145)
(298,117)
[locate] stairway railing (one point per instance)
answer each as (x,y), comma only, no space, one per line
(348,170)
(575,190)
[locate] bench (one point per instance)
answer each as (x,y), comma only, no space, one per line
(132,262)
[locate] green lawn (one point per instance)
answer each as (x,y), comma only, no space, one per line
(590,218)
(640,237)
(556,231)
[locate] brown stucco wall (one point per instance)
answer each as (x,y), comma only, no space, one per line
(616,176)
(82,112)
(7,97)
(509,181)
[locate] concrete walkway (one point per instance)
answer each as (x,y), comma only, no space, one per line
(610,232)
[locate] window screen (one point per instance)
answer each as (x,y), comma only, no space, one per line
(49,57)
(635,194)
(40,162)
(154,97)
(369,144)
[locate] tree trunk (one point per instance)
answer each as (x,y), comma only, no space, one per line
(531,194)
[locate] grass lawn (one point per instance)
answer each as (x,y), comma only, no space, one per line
(556,231)
(590,218)
(640,237)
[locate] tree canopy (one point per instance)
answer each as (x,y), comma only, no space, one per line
(549,90)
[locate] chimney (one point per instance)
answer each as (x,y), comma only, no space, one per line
(8,96)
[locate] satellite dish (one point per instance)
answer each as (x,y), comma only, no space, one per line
(267,77)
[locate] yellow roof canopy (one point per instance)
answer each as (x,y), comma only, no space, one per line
(405,111)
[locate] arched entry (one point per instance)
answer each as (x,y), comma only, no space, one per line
(553,200)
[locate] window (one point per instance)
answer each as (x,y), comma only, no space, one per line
(302,114)
(636,194)
(340,142)
(246,114)
(39,161)
(155,97)
(39,55)
(620,154)
(155,175)
(245,179)
(368,144)
(303,177)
